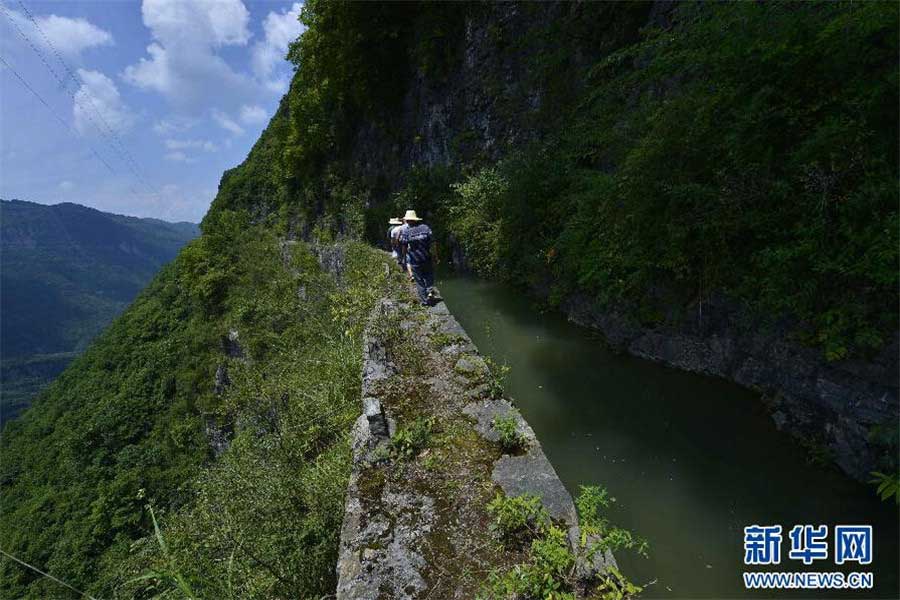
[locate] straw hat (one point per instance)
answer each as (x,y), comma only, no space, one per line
(395,221)
(411,216)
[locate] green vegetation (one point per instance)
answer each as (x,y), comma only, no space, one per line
(674,165)
(497,376)
(171,575)
(130,424)
(888,485)
(549,571)
(68,270)
(750,151)
(21,379)
(733,172)
(507,427)
(411,440)
(591,502)
(440,340)
(517,519)
(544,576)
(614,586)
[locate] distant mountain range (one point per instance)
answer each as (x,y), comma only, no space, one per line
(65,272)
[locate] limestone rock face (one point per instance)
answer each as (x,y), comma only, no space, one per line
(378,425)
(222,380)
(232,346)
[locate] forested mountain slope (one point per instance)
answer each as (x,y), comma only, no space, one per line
(68,270)
(645,156)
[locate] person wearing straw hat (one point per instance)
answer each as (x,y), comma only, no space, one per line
(394,238)
(415,242)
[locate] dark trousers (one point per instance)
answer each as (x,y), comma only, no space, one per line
(424,278)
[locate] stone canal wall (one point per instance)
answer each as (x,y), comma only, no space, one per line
(427,462)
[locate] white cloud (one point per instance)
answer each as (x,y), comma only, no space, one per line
(197,22)
(98,94)
(253,114)
(183,65)
(173,124)
(227,123)
(205,145)
(66,186)
(73,36)
(69,36)
(268,54)
(178,156)
(187,77)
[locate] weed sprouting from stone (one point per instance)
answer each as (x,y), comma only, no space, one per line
(507,427)
(550,569)
(519,518)
(498,374)
(591,502)
(411,440)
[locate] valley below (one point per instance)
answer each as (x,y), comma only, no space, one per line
(67,272)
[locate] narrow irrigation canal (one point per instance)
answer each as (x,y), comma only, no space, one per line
(691,460)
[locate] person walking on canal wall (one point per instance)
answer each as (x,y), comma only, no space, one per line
(415,241)
(394,238)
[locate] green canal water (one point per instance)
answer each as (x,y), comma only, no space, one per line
(691,460)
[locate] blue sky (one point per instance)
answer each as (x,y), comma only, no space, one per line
(157,98)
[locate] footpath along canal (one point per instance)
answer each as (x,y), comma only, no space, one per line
(691,460)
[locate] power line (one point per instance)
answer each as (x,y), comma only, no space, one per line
(47,575)
(132,163)
(74,96)
(43,60)
(47,65)
(58,118)
(65,125)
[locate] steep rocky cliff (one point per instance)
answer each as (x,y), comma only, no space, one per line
(492,103)
(698,265)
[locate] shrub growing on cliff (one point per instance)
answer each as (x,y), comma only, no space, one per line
(546,575)
(497,376)
(476,219)
(887,485)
